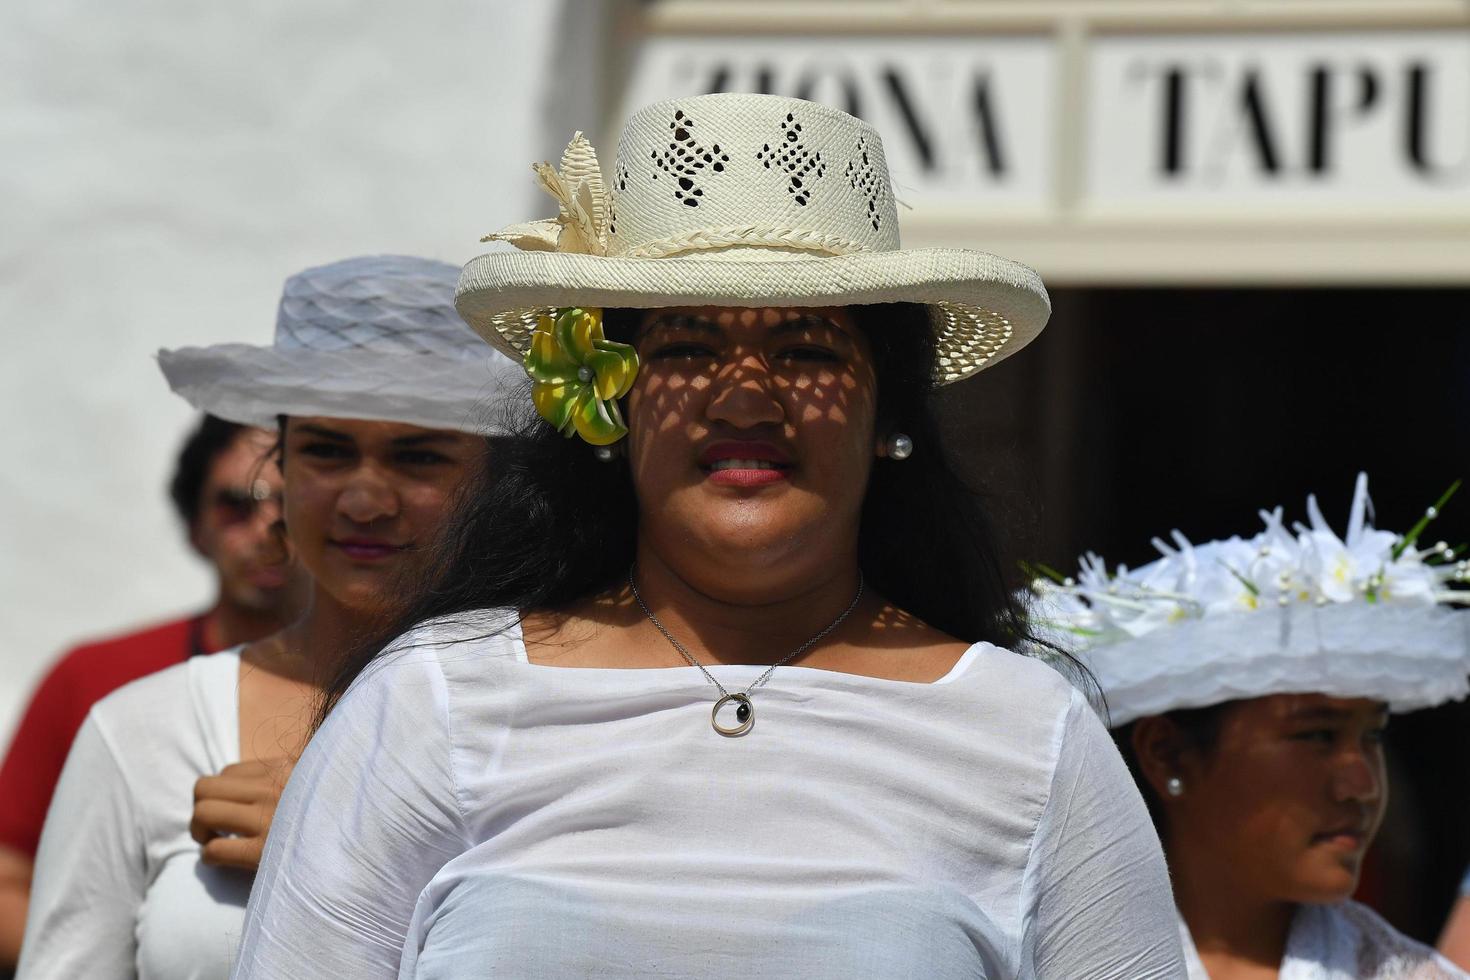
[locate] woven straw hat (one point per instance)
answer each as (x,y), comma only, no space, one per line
(743,200)
(375,337)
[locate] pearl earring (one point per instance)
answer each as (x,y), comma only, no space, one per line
(604,454)
(899,446)
(1174,786)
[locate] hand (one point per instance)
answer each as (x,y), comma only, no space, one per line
(15,895)
(233,811)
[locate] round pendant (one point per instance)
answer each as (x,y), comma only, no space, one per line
(744,714)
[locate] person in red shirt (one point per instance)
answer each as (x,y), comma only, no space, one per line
(226,491)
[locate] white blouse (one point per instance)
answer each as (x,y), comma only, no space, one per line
(1346,941)
(119,890)
(465,813)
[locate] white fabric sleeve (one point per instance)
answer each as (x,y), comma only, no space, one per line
(91,870)
(370,814)
(1100,902)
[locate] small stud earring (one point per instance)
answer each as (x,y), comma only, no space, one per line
(605,454)
(899,446)
(1174,786)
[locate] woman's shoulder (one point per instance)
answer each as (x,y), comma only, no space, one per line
(985,668)
(412,710)
(445,649)
(147,704)
(493,626)
(1021,678)
(1026,709)
(163,730)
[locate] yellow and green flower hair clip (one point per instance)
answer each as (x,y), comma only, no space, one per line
(579,375)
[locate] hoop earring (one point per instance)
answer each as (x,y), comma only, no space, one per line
(899,446)
(1174,786)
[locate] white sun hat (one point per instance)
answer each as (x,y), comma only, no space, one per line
(1370,615)
(374,337)
(743,200)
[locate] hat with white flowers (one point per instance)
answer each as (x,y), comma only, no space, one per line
(1299,610)
(736,200)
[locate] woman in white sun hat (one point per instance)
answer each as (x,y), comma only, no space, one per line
(1250,682)
(381,393)
(715,685)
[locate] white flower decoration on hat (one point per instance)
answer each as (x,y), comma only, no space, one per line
(1369,614)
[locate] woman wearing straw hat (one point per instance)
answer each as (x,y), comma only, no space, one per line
(1251,682)
(714,686)
(144,865)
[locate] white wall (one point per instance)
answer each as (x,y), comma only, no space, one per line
(164,165)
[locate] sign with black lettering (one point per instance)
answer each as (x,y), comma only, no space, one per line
(1364,120)
(1291,120)
(1204,156)
(964,120)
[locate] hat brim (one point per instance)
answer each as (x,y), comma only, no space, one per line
(1407,656)
(255,385)
(984,308)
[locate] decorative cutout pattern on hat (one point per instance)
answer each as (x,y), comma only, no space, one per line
(803,166)
(737,199)
(965,337)
(619,185)
(864,179)
(685,158)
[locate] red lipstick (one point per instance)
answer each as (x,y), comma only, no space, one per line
(736,463)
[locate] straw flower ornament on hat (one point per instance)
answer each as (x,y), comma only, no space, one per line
(1370,614)
(726,200)
(373,337)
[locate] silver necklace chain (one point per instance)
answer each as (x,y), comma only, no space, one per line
(766,675)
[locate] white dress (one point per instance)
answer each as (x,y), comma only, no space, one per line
(465,813)
(119,890)
(1346,941)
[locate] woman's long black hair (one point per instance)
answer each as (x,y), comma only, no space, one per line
(546,524)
